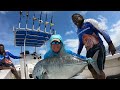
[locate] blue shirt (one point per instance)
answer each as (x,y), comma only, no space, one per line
(88,28)
(8,55)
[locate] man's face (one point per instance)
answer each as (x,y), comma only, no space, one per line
(1,49)
(77,20)
(56,46)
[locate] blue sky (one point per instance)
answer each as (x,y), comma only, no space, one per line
(108,20)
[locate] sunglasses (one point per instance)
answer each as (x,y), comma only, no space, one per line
(55,42)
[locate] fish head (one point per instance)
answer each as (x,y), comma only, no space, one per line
(39,73)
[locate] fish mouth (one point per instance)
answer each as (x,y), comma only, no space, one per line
(45,76)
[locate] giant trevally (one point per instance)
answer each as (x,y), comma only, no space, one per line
(64,67)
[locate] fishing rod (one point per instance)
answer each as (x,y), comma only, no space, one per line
(45,23)
(20,18)
(27,15)
(40,20)
(34,18)
(51,23)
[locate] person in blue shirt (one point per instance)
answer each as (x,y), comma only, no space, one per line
(57,48)
(88,34)
(6,63)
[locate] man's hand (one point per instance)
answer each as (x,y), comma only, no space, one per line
(111,48)
(8,61)
(90,60)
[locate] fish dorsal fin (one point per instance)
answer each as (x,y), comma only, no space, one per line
(94,64)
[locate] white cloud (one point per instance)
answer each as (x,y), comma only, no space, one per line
(6,39)
(102,22)
(3,12)
(72,44)
(115,33)
(69,32)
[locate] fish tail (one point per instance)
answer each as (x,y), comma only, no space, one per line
(93,62)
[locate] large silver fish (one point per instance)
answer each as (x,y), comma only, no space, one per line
(64,67)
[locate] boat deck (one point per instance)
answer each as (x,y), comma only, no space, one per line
(6,74)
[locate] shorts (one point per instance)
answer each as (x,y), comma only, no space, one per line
(101,55)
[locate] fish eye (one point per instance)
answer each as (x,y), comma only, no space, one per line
(37,77)
(44,75)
